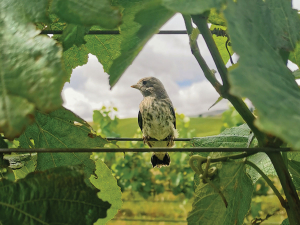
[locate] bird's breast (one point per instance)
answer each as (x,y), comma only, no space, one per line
(157,118)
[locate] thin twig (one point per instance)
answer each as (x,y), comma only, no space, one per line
(270,183)
(196,52)
(238,103)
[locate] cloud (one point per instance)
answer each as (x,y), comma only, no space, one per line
(167,57)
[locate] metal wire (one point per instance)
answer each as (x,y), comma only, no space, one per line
(141,139)
(114,32)
(53,150)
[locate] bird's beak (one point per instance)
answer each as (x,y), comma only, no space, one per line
(136,86)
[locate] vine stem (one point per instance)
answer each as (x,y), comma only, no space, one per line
(238,103)
(210,76)
(270,183)
(293,204)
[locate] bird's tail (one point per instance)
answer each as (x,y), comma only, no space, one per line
(160,159)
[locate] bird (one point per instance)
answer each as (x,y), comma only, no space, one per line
(156,118)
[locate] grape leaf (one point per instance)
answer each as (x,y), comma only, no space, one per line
(141,19)
(73,35)
(58,130)
(216,18)
(236,137)
(73,57)
(3,162)
(285,222)
(136,33)
(87,13)
(110,191)
(236,186)
(294,168)
(295,55)
(22,164)
(55,196)
(261,74)
(192,6)
(31,74)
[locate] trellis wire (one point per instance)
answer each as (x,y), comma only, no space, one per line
(114,32)
(52,150)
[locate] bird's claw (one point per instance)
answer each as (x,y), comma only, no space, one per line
(170,141)
(146,140)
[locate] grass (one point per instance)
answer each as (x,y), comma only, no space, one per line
(204,126)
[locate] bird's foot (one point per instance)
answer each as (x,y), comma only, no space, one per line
(170,140)
(146,140)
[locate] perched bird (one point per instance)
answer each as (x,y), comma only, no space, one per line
(156,118)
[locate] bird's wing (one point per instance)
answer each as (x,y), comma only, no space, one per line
(140,121)
(173,113)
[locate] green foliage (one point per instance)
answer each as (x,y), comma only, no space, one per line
(73,35)
(221,43)
(55,196)
(3,162)
(87,13)
(231,118)
(216,18)
(285,222)
(105,123)
(233,182)
(192,6)
(295,55)
(58,130)
(236,137)
(277,102)
(32,60)
(141,20)
(110,191)
(294,167)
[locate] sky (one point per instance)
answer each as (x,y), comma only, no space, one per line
(166,57)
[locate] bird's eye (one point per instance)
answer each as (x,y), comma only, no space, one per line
(144,82)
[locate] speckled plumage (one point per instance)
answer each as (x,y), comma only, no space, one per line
(156,118)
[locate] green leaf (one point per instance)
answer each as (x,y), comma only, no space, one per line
(31,74)
(236,186)
(221,43)
(87,13)
(140,21)
(73,57)
(192,6)
(264,163)
(216,18)
(218,100)
(296,74)
(295,55)
(110,191)
(56,196)
(285,222)
(3,163)
(73,35)
(58,130)
(294,168)
(3,144)
(22,164)
(236,137)
(261,70)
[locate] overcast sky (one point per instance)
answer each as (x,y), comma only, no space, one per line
(167,57)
